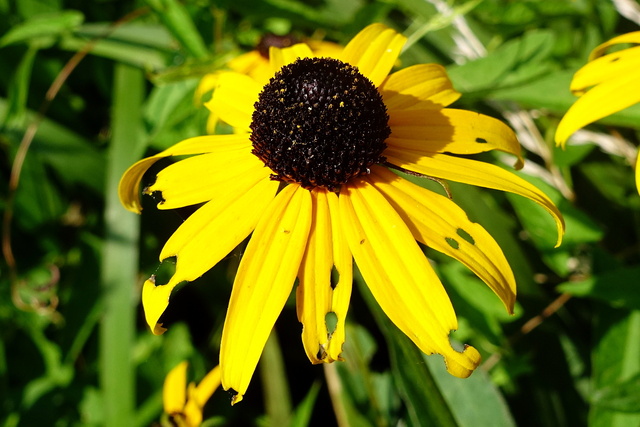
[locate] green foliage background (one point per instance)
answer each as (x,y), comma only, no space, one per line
(74,348)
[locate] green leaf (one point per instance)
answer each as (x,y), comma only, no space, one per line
(16,113)
(43,29)
(302,414)
(623,396)
(514,63)
(177,20)
(618,288)
(476,303)
(615,359)
(474,401)
(540,226)
(147,58)
(551,92)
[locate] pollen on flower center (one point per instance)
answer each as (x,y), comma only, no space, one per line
(319,123)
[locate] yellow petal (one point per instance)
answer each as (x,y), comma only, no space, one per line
(254,65)
(202,178)
(342,260)
(399,275)
(174,390)
(374,51)
(129,188)
(420,87)
(203,240)
(263,283)
(279,57)
(475,173)
(206,85)
(233,99)
(601,101)
(450,130)
(323,49)
(606,68)
(316,296)
(199,396)
(440,224)
(211,232)
(638,171)
(633,37)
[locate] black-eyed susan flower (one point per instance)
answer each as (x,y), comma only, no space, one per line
(183,405)
(310,180)
(606,85)
(256,65)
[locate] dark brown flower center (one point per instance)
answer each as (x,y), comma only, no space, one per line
(319,123)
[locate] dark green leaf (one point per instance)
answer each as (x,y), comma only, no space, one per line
(474,401)
(619,288)
(623,396)
(43,27)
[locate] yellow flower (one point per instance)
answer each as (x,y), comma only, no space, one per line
(256,65)
(328,130)
(183,405)
(606,85)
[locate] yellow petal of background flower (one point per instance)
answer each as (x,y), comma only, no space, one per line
(421,87)
(129,187)
(374,50)
(233,99)
(638,171)
(603,100)
(475,173)
(207,84)
(399,275)
(202,178)
(254,65)
(609,67)
(633,37)
(450,130)
(174,390)
(263,283)
(442,225)
(315,295)
(279,57)
(199,396)
(225,222)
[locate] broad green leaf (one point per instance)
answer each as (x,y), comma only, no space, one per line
(474,401)
(476,303)
(514,63)
(540,227)
(618,288)
(43,28)
(622,396)
(572,154)
(551,92)
(615,359)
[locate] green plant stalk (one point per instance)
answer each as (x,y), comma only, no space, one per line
(277,397)
(120,255)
